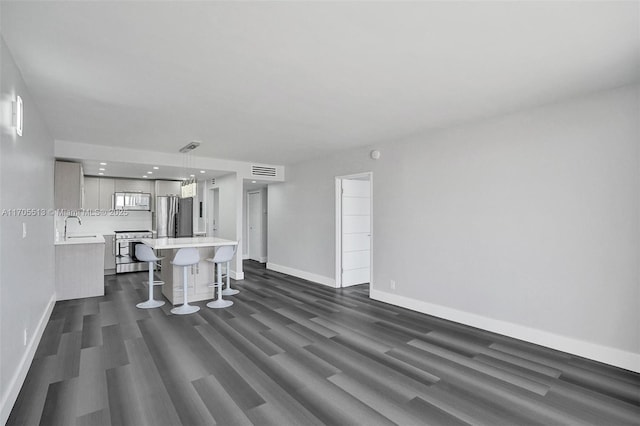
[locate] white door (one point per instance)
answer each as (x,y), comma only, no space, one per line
(356,231)
(254,225)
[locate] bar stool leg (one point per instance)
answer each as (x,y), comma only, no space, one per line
(219,302)
(229,291)
(186,308)
(151,303)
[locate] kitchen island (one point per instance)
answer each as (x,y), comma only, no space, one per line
(199,277)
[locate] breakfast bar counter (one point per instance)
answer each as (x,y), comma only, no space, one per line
(178,243)
(200,276)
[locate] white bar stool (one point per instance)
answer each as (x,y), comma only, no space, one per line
(186,257)
(224,254)
(145,254)
(228,291)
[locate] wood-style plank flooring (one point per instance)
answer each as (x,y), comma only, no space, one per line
(290,352)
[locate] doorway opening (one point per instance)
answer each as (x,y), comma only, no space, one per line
(213,212)
(354,242)
(256,231)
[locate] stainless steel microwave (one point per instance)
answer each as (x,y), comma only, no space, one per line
(132,201)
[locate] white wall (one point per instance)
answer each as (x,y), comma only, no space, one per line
(27,290)
(230,216)
(527,224)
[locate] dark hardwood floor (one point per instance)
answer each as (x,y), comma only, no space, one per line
(290,352)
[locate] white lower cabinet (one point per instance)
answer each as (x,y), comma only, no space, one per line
(199,277)
(79,270)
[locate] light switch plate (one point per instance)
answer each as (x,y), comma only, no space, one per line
(24,230)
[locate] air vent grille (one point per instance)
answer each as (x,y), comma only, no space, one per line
(263,171)
(213,181)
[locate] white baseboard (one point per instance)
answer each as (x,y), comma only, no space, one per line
(237,275)
(263,259)
(245,256)
(16,381)
(309,276)
(605,354)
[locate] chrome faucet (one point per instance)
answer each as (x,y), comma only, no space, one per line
(65,224)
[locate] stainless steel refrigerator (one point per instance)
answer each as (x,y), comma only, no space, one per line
(174,216)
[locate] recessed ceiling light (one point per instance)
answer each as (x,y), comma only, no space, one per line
(253,181)
(102,169)
(145,176)
(103,164)
(155,167)
(101,174)
(149,173)
(201,171)
(192,175)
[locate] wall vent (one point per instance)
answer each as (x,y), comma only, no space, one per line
(213,181)
(263,171)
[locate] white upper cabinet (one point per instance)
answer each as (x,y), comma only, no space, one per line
(68,185)
(167,187)
(133,185)
(91,193)
(105,193)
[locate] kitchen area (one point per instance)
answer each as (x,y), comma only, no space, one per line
(100,220)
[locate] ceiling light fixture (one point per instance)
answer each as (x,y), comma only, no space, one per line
(101,174)
(201,171)
(18,115)
(253,181)
(155,167)
(188,187)
(149,173)
(103,164)
(102,169)
(145,176)
(189,147)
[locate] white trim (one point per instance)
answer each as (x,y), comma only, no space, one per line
(596,352)
(16,381)
(237,275)
(247,255)
(309,276)
(263,259)
(338,202)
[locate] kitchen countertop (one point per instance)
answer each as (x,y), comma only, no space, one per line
(80,239)
(177,243)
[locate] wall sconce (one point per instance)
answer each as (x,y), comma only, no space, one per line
(18,114)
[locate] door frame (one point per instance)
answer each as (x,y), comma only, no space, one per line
(338,183)
(248,237)
(213,210)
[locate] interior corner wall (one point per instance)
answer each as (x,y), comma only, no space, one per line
(231,215)
(526,224)
(245,230)
(27,289)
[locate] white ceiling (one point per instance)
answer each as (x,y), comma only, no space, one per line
(280,82)
(134,170)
